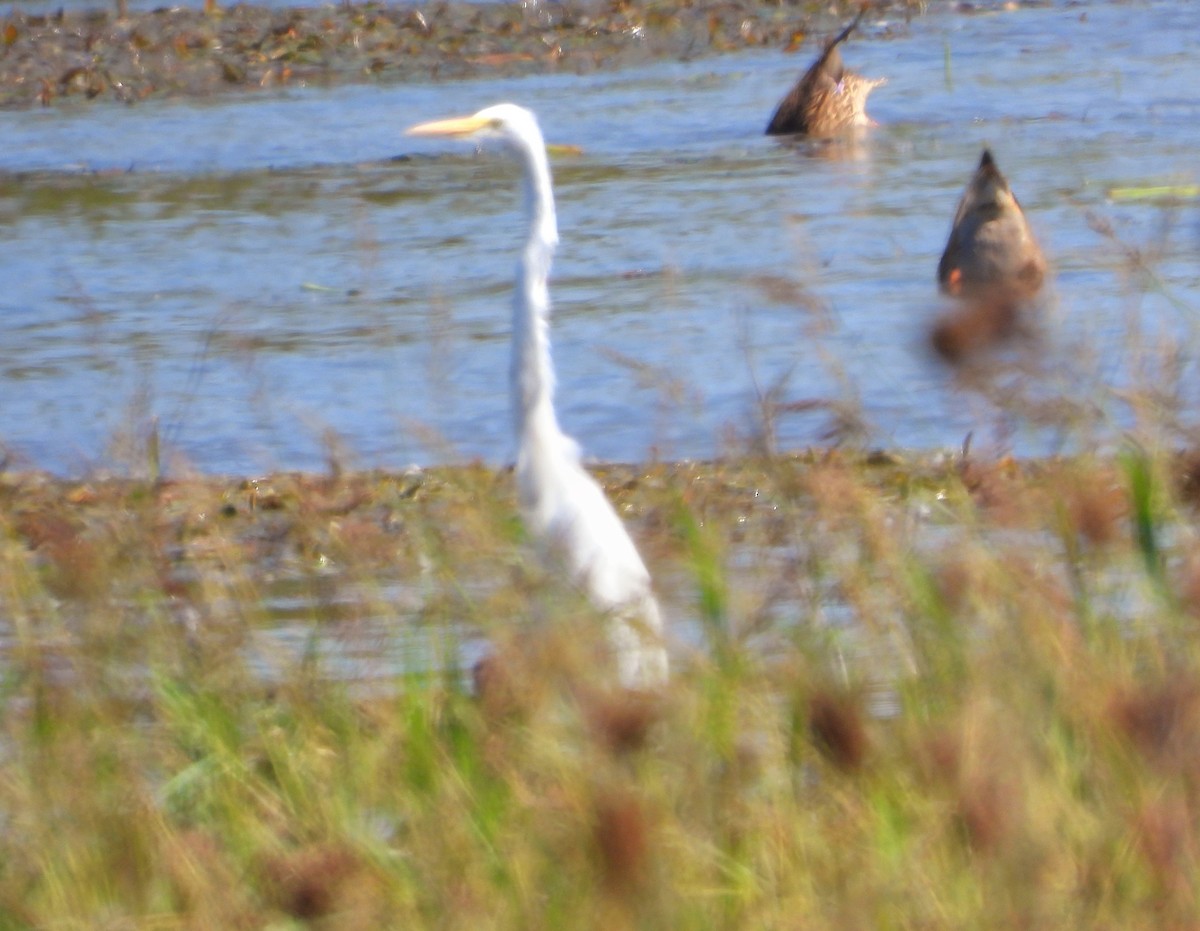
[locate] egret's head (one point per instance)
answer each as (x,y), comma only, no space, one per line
(514,129)
(505,123)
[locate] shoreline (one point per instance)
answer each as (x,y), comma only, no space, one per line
(644,492)
(69,56)
(727,484)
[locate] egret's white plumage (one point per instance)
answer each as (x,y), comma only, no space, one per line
(561,503)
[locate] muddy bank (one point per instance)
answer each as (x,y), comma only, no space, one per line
(280,520)
(100,55)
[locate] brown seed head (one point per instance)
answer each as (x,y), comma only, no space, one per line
(954,581)
(975,327)
(622,840)
(940,757)
(1187,477)
(308,883)
(836,724)
(1096,511)
(1160,720)
(496,688)
(988,809)
(1165,831)
(622,720)
(1188,584)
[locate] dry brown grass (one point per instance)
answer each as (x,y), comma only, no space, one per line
(956,691)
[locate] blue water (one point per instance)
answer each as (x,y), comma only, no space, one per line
(270,276)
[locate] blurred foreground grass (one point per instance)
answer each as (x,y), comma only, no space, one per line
(943,693)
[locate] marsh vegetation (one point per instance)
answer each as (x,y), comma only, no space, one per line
(938,690)
(956,692)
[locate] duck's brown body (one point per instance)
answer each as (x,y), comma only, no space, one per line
(991,252)
(828,99)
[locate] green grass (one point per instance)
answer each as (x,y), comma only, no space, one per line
(935,695)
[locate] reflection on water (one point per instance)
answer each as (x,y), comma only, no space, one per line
(262,279)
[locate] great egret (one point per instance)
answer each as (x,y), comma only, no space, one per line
(561,504)
(991,254)
(828,99)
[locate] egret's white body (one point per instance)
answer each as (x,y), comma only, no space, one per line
(561,504)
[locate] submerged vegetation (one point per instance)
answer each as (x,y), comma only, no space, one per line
(109,54)
(945,693)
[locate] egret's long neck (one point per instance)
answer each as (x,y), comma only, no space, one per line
(532,373)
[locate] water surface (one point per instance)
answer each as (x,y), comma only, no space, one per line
(268,277)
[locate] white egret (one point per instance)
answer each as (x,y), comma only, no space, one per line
(561,504)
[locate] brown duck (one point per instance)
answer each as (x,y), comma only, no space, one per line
(828,99)
(991,253)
